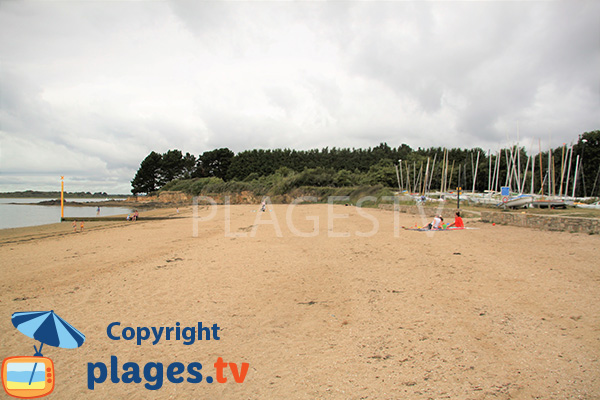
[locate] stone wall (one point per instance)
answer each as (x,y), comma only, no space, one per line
(544,222)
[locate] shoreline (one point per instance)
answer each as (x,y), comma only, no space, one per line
(66,226)
(67,203)
(491,312)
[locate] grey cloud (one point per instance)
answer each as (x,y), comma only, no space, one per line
(496,55)
(104,83)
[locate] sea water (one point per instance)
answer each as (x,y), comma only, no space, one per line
(14,213)
(26,376)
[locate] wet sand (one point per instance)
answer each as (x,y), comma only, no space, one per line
(362,311)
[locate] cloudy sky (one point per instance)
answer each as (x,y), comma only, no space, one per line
(89,88)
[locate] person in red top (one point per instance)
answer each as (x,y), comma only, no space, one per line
(458,222)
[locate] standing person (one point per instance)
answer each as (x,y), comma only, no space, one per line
(81,226)
(458,222)
(98,211)
(74,226)
(263,206)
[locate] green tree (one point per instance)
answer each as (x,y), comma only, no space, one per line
(345,178)
(147,178)
(588,149)
(215,163)
(383,173)
(189,165)
(171,166)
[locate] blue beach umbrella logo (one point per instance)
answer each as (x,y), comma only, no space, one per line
(30,377)
(48,328)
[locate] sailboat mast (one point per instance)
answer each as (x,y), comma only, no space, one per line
(562,171)
(575,176)
(541,169)
(475,175)
(532,174)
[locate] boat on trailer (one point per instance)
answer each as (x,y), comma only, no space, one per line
(517,202)
(548,204)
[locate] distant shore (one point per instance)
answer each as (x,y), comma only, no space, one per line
(107,203)
(71,203)
(36,194)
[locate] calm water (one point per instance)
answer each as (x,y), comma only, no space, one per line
(20,215)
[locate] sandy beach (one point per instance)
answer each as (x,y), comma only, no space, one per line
(361,309)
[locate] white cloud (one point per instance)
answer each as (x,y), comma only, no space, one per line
(104,83)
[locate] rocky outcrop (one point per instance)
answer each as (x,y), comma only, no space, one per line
(162,197)
(170,198)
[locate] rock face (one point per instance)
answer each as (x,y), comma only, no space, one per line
(183,198)
(244,197)
(163,197)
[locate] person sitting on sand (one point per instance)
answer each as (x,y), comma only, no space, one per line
(458,222)
(435,224)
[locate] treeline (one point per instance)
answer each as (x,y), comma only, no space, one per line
(34,194)
(282,169)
